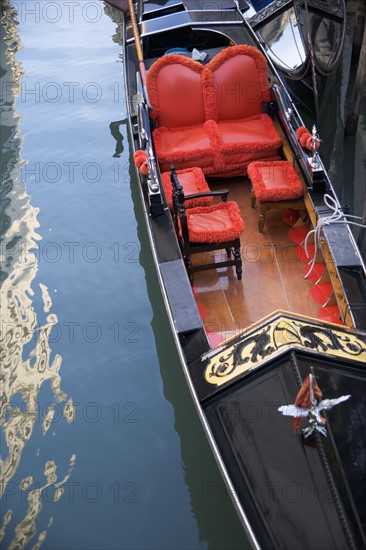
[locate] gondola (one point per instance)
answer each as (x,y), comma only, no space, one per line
(304,39)
(262,280)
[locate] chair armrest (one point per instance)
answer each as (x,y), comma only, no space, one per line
(222,193)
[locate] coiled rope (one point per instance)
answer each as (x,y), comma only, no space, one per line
(337,216)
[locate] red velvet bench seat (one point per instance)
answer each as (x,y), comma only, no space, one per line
(193,181)
(212,116)
(274,185)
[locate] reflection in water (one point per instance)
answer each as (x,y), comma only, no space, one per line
(26,362)
(117,17)
(283,31)
(115,131)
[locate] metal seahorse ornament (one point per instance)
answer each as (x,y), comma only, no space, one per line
(307,406)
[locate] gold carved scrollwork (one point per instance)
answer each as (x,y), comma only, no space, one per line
(253,349)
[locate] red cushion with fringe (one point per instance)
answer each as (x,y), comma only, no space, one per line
(215,224)
(175,91)
(255,133)
(185,147)
(239,83)
(247,140)
(193,181)
(275,181)
(238,168)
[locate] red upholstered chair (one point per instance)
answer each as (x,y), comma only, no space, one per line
(207,228)
(274,185)
(193,181)
(238,77)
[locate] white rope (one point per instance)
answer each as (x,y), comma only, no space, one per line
(337,216)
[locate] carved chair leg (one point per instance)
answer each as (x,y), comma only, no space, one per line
(238,263)
(252,198)
(261,221)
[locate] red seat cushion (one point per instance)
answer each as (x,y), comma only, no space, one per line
(193,181)
(246,140)
(215,224)
(275,181)
(255,133)
(185,147)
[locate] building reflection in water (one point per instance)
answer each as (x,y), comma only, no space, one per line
(27,362)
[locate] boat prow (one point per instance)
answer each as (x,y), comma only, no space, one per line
(291,480)
(270,341)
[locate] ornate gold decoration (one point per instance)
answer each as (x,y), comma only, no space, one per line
(277,336)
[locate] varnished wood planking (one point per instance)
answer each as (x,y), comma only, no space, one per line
(216,312)
(297,288)
(272,274)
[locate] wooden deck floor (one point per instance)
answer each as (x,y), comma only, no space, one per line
(273,277)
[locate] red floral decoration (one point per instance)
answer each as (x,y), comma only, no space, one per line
(300,131)
(306,140)
(140,157)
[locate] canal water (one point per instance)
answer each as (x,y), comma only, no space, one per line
(100,444)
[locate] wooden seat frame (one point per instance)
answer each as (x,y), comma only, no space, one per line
(264,206)
(188,248)
(275,203)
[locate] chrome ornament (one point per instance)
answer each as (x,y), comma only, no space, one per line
(312,413)
(315,142)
